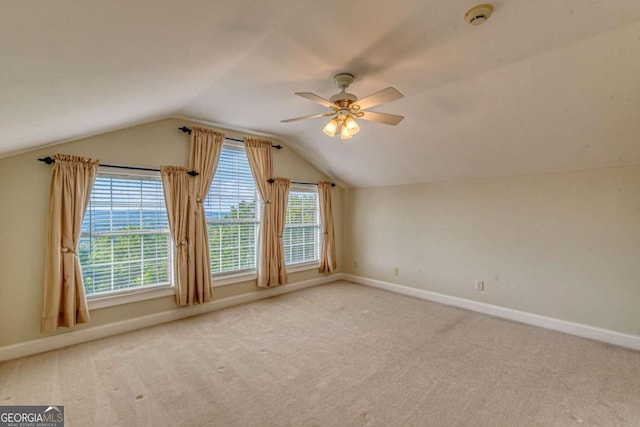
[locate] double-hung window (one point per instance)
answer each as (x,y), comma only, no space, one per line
(125,242)
(301,236)
(232,211)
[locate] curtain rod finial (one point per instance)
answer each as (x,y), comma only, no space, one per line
(185,130)
(48,160)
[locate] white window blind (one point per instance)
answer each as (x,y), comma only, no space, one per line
(301,236)
(125,242)
(231,208)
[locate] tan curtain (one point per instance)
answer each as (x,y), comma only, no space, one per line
(206,145)
(280,196)
(259,156)
(65,304)
(328,254)
(177,188)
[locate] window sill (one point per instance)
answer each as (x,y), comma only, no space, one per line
(303,266)
(126,297)
(135,295)
(230,279)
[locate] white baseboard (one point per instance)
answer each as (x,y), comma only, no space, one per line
(53,342)
(585,331)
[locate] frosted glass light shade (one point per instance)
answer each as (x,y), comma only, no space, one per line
(345,133)
(352,125)
(331,127)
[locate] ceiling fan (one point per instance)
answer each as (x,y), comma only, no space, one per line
(345,108)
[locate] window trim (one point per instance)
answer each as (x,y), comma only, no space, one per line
(125,296)
(308,264)
(241,275)
(303,188)
(110,299)
(303,266)
(116,298)
(226,279)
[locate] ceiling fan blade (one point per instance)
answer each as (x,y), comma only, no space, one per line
(313,116)
(380,97)
(315,98)
(387,119)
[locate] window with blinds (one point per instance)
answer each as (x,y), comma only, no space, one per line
(301,236)
(125,242)
(232,212)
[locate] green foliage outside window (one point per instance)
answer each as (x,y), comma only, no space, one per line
(232,239)
(115,262)
(301,236)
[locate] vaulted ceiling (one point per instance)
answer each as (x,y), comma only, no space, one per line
(543,85)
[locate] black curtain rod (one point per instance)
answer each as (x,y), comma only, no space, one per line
(271,181)
(188,130)
(49,161)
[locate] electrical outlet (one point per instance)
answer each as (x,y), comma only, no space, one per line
(479,285)
(395,271)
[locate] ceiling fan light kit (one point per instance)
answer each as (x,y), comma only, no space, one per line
(345,108)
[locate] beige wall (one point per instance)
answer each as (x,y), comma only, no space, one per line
(563,245)
(24,197)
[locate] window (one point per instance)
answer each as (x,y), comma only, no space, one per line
(125,242)
(301,236)
(231,209)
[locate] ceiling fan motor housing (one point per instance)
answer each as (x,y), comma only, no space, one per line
(343,96)
(343,80)
(343,99)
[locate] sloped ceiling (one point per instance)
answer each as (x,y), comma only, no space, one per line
(544,85)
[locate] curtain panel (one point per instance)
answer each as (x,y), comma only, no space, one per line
(64,302)
(259,156)
(176,184)
(206,145)
(328,253)
(280,197)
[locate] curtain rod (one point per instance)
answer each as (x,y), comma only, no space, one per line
(271,181)
(188,130)
(49,161)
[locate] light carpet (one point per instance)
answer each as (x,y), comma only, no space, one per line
(334,355)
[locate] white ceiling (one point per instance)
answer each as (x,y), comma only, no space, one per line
(544,85)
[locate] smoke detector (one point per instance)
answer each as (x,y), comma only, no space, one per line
(478,14)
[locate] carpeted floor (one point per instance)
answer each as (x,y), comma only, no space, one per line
(334,355)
